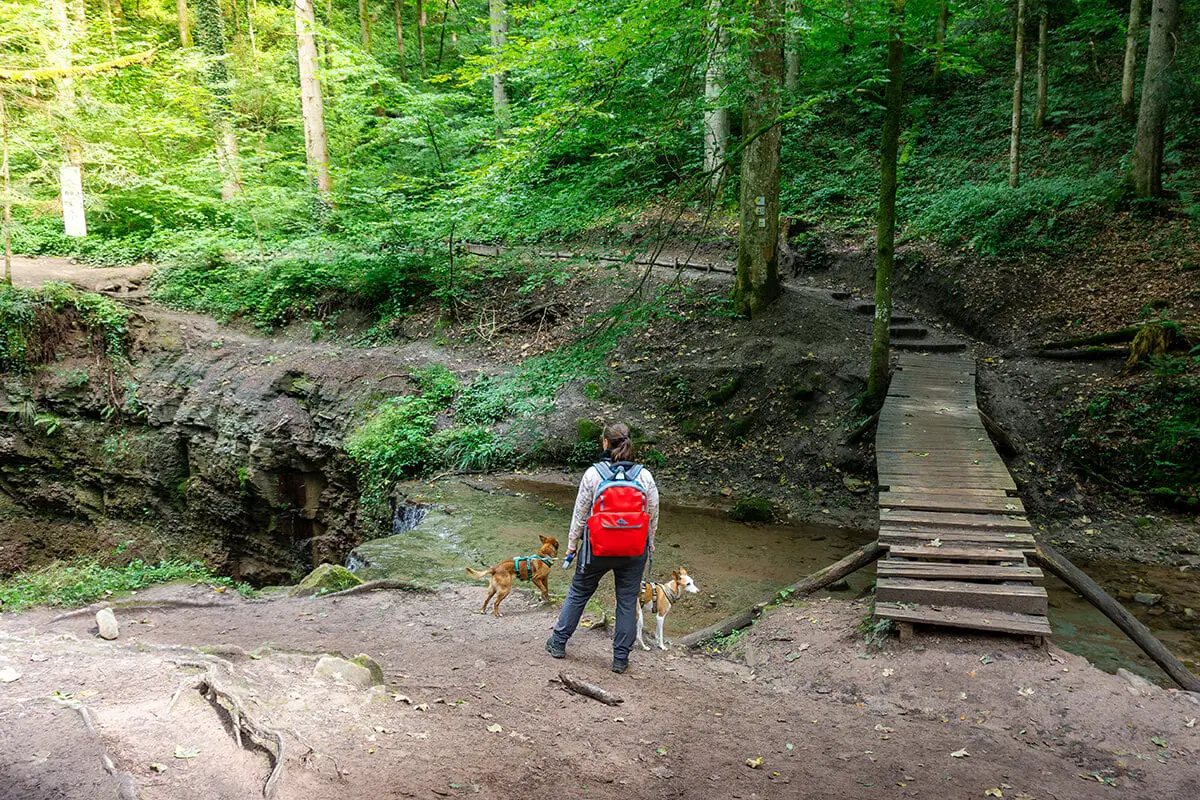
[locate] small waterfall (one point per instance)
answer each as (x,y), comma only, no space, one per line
(354,563)
(407,515)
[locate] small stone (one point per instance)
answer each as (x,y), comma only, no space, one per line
(1189,612)
(106,620)
(1147,598)
(856,485)
(339,670)
(8,675)
(364,660)
(325,579)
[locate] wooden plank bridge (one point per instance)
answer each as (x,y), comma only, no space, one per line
(956,532)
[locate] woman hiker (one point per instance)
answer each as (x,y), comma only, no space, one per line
(616,517)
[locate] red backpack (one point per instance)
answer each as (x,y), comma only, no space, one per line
(620,523)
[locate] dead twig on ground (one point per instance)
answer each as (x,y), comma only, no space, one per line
(589,690)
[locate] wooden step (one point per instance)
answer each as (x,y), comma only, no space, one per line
(934,490)
(895,518)
(957,553)
(898,319)
(953,617)
(1017,598)
(895,568)
(955,503)
(865,308)
(931,347)
(1010,541)
(907,331)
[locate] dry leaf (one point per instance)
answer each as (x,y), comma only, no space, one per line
(889,672)
(8,675)
(495,727)
(993,793)
(754,763)
(157,767)
(960,753)
(186,752)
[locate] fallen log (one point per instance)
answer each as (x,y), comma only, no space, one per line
(1074,577)
(823,577)
(1084,354)
(1110,337)
(589,690)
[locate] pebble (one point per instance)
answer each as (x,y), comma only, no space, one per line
(106,620)
(1147,598)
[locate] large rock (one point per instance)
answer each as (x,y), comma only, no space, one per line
(325,579)
(339,670)
(106,620)
(371,665)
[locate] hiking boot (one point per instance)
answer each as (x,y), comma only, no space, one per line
(555,649)
(620,665)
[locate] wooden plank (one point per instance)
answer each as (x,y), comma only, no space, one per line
(935,519)
(949,617)
(1017,598)
(918,480)
(960,503)
(1017,542)
(959,572)
(960,553)
(931,490)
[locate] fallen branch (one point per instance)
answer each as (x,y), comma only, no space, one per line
(1084,354)
(137,605)
(1111,337)
(823,577)
(1004,444)
(1074,577)
(371,586)
(55,73)
(862,427)
(589,690)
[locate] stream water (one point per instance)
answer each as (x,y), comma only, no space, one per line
(735,565)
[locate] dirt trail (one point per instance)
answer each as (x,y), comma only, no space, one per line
(830,717)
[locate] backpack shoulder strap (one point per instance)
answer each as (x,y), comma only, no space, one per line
(605,469)
(633,471)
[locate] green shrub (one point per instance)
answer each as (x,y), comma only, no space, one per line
(22,317)
(437,384)
(394,443)
(752,509)
(470,448)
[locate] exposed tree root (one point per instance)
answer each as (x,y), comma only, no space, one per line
(371,586)
(137,605)
(126,788)
(215,685)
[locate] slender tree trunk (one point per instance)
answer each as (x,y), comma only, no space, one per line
(1129,75)
(716,114)
(940,41)
(250,9)
(312,106)
(7,192)
(1014,146)
(791,53)
(498,15)
(210,39)
(1039,113)
(181,15)
(364,24)
(107,6)
(757,282)
(1145,173)
(70,183)
(885,248)
(421,22)
(60,55)
(398,9)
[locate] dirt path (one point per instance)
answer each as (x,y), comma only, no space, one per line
(830,717)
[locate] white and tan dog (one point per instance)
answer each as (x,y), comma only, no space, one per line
(659,597)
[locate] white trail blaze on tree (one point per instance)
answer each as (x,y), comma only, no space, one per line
(498,15)
(1129,73)
(757,282)
(716,115)
(1145,172)
(312,105)
(1014,144)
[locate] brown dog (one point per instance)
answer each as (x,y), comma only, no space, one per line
(500,577)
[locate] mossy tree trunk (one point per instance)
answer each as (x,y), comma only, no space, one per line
(181,15)
(1129,73)
(757,282)
(1014,144)
(1039,113)
(210,38)
(1145,172)
(364,25)
(885,247)
(716,113)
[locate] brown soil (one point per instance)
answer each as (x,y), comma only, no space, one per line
(829,716)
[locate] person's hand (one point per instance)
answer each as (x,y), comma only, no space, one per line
(652,548)
(566,564)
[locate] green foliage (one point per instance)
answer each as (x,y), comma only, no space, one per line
(752,509)
(85,580)
(25,318)
(654,459)
(471,448)
(875,631)
(394,443)
(437,383)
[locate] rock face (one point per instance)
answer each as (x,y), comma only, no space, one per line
(106,620)
(325,579)
(339,670)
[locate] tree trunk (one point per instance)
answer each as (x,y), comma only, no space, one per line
(791,54)
(316,147)
(181,14)
(210,38)
(716,114)
(364,24)
(877,380)
(1054,561)
(60,56)
(250,9)
(1039,113)
(1014,145)
(757,282)
(421,22)
(398,10)
(7,192)
(1128,76)
(1145,173)
(498,16)
(940,41)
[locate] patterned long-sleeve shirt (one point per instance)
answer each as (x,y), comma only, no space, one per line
(587,495)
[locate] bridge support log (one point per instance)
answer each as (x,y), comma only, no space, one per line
(867,554)
(1057,563)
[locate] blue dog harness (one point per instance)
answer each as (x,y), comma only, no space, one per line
(528,565)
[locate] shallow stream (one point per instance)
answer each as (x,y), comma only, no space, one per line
(735,565)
